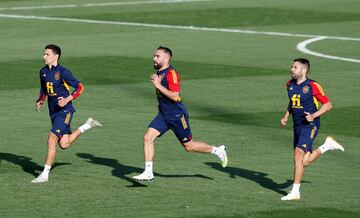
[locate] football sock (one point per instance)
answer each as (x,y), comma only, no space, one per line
(215,150)
(46,169)
(149,167)
(324,148)
(295,188)
(84,127)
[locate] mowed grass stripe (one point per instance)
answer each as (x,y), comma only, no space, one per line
(93,177)
(119,70)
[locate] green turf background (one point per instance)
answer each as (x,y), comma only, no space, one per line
(232,85)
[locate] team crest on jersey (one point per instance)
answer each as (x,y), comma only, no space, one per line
(57,76)
(305,89)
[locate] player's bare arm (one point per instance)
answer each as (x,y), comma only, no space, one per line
(324,108)
(156,80)
(64,101)
(40,101)
(284,120)
(38,105)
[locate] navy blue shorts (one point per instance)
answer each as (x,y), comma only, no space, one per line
(61,123)
(179,125)
(305,136)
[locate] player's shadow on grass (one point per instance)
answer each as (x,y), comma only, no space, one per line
(258,177)
(26,163)
(122,171)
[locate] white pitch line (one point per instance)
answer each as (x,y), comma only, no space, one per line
(302,47)
(165,26)
(99,4)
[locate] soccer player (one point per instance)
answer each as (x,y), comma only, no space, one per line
(304,95)
(55,81)
(172,115)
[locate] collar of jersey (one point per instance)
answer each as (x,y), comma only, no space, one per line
(164,70)
(303,83)
(52,68)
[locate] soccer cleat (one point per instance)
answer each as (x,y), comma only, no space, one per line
(93,123)
(291,196)
(333,145)
(223,156)
(148,177)
(41,178)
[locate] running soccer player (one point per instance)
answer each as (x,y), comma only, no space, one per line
(172,115)
(55,81)
(304,95)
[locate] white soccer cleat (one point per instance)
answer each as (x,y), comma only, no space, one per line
(93,123)
(333,145)
(145,176)
(41,178)
(291,196)
(223,156)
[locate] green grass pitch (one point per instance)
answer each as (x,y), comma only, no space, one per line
(232,85)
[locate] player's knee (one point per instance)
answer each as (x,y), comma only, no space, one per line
(298,160)
(64,144)
(188,147)
(306,163)
(52,141)
(148,138)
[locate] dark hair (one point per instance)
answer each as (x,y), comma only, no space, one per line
(165,49)
(304,61)
(54,48)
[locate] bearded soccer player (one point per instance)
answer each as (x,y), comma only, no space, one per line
(172,115)
(304,95)
(55,81)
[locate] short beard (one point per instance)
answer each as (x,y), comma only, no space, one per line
(157,66)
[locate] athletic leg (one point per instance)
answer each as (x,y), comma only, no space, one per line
(149,148)
(193,146)
(67,139)
(50,158)
(157,127)
(311,157)
(299,167)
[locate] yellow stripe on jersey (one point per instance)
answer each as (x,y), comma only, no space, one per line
(320,88)
(66,86)
(316,102)
(174,76)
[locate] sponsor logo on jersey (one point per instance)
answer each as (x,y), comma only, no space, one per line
(305,89)
(57,76)
(291,88)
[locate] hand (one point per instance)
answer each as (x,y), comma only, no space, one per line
(156,80)
(38,105)
(309,117)
(284,120)
(62,101)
